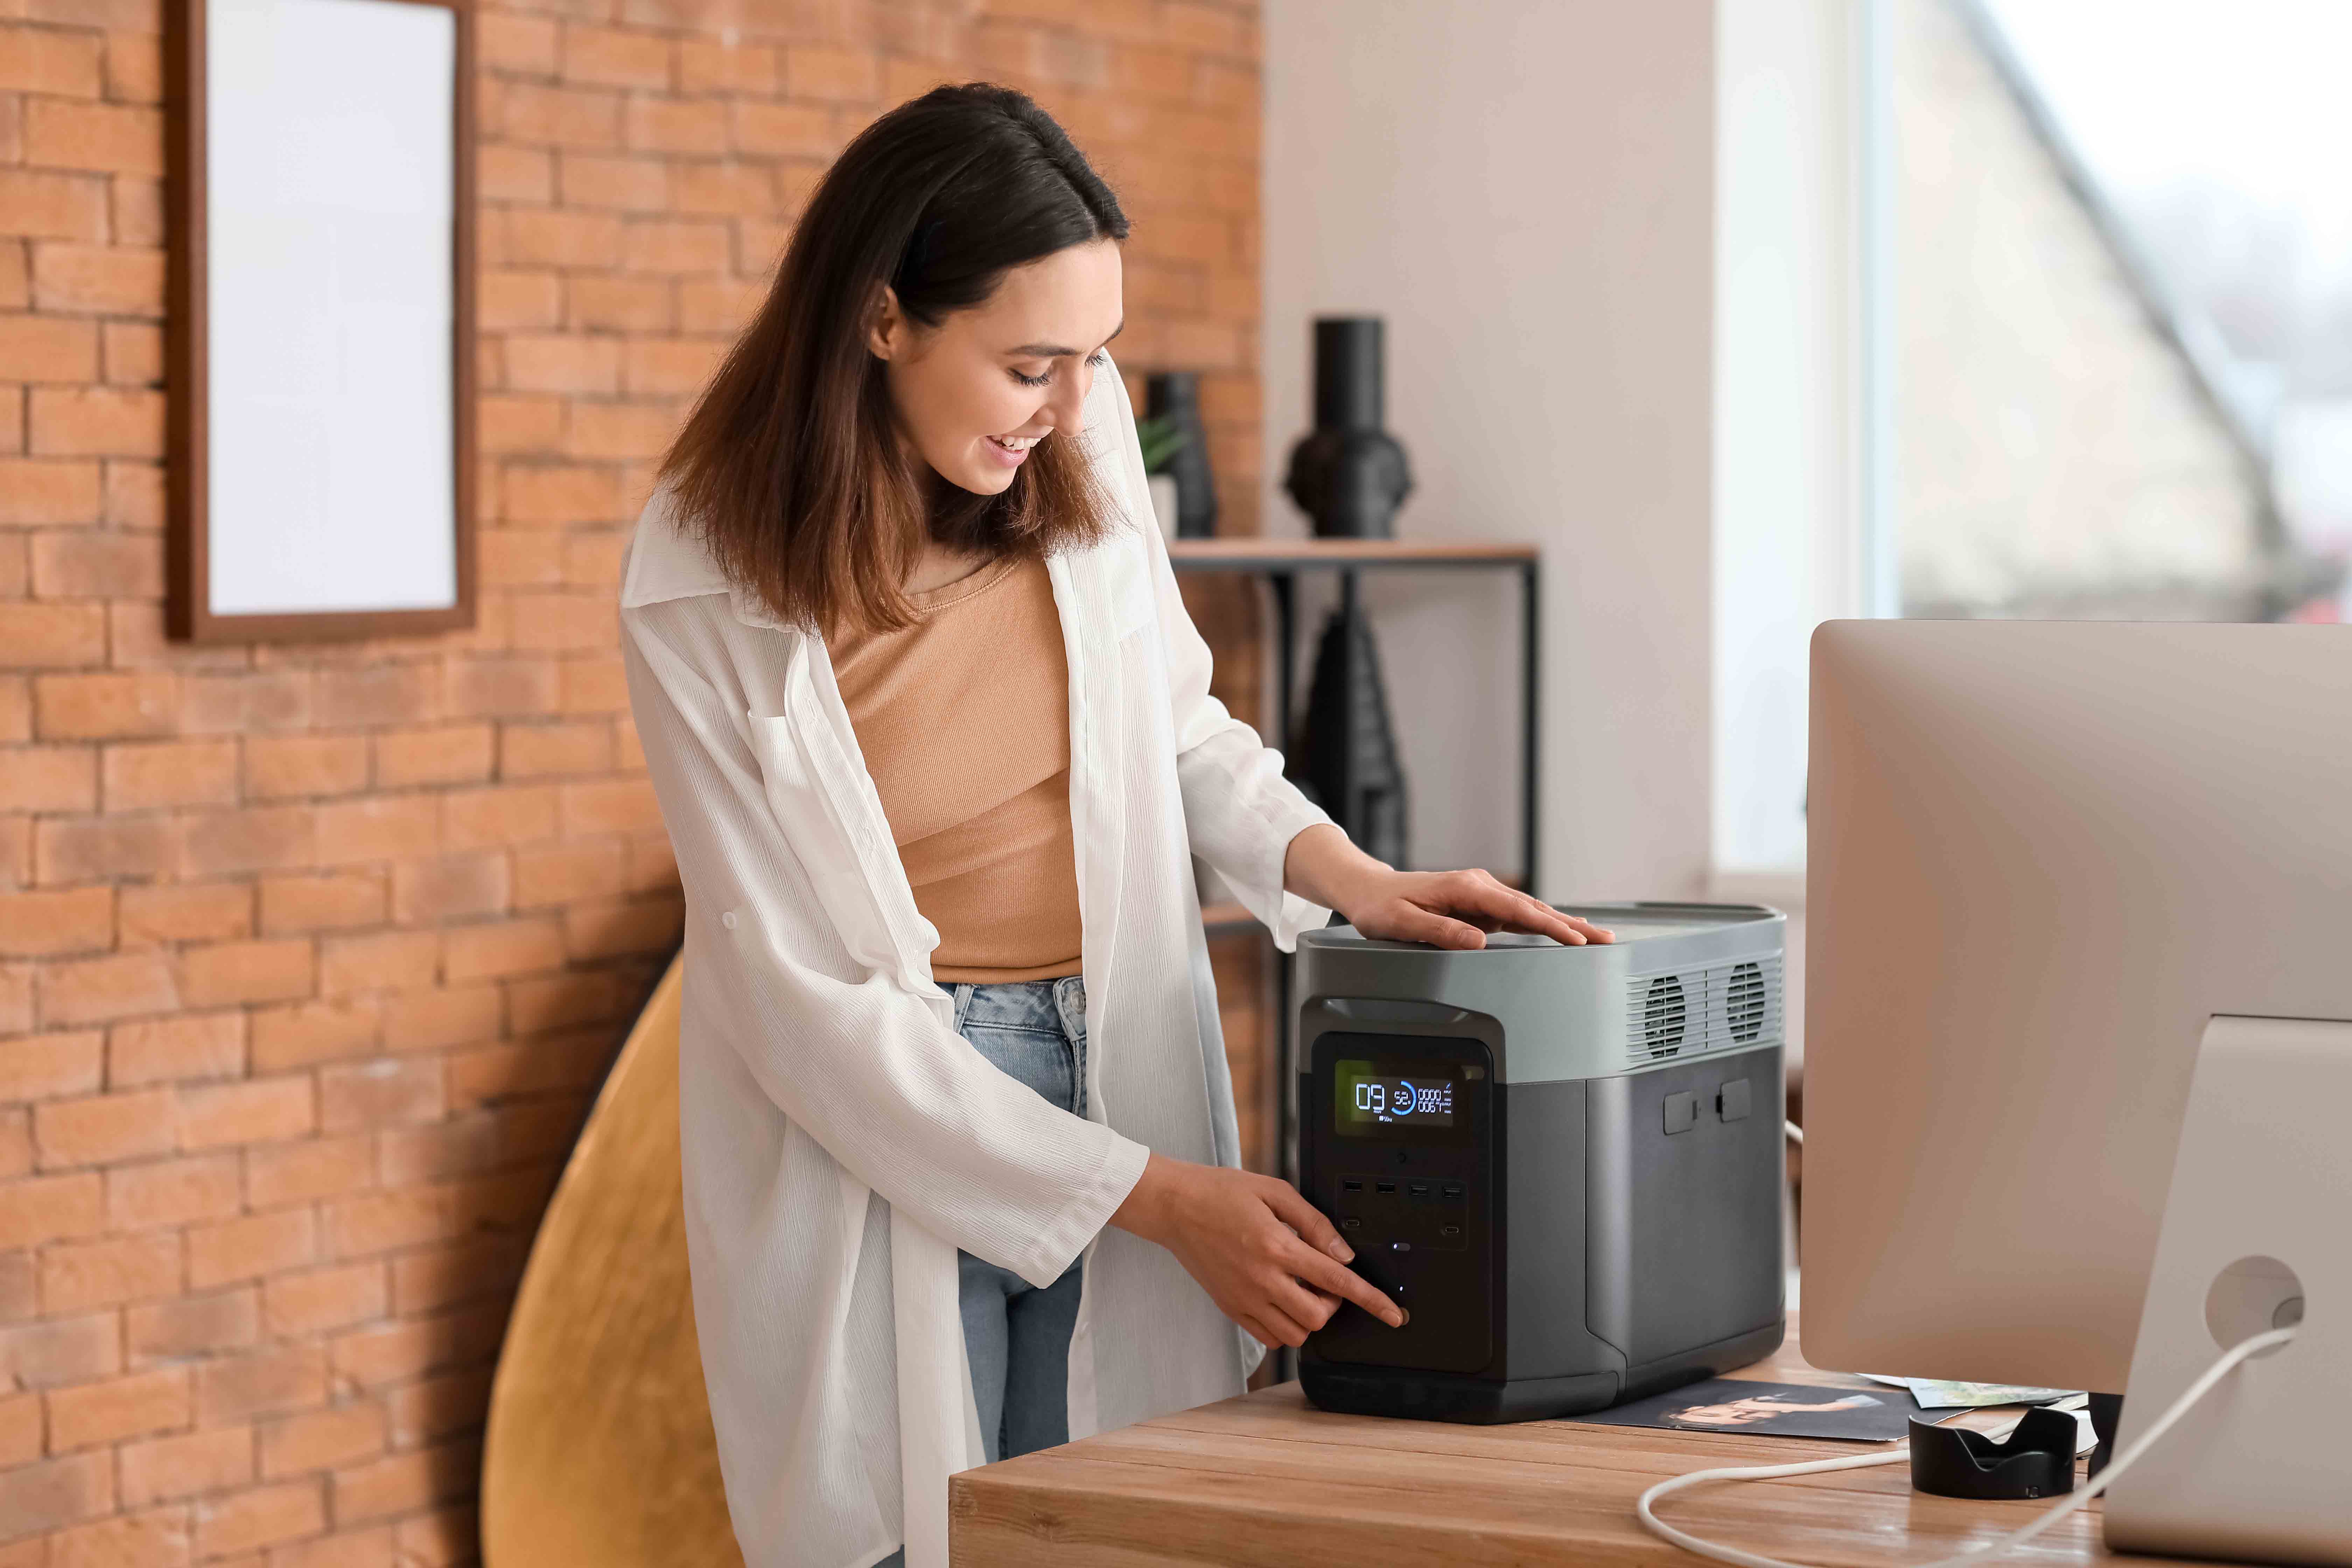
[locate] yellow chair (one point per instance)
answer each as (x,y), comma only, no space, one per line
(599,1450)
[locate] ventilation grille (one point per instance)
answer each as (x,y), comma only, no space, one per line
(1692,1011)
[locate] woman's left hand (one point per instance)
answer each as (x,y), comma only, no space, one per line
(1445,908)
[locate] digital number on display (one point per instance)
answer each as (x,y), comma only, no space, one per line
(1424,1102)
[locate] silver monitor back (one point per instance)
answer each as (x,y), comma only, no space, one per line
(2042,855)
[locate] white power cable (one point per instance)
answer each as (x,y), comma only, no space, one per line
(1796,1133)
(2072,1502)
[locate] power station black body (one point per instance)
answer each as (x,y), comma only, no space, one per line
(1566,1161)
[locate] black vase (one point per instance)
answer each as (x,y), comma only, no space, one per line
(1175,395)
(1347,753)
(1349,474)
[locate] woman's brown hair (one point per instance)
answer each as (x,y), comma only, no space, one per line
(789,470)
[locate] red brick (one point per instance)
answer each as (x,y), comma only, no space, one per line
(122,1407)
(99,990)
(36,1498)
(164,1468)
(507,299)
(323,902)
(385,1091)
(324,1299)
(92,848)
(157,1539)
(515,173)
(171,1192)
(560,238)
(21,1434)
(266,1516)
(193,1326)
(96,422)
(489,688)
(48,778)
(81,565)
(676,125)
(281,767)
(502,948)
(667,366)
(493,1072)
(61,1351)
(100,706)
(261,970)
(558,116)
(110,138)
(46,348)
(438,1406)
(52,634)
(384,961)
(309,1170)
(47,923)
(45,60)
(433,1277)
(370,1222)
(512,45)
(441,1539)
(134,68)
(716,66)
(676,246)
(251,1247)
(38,491)
(559,873)
(401,693)
(834,75)
(783,129)
(47,1208)
(373,1546)
(286,1038)
(252,838)
(404,1483)
(455,754)
(564,364)
(263,1110)
(241,703)
(427,892)
(163,1050)
(395,1352)
(322,1439)
(78,1276)
(104,1128)
(610,57)
(622,430)
(170,772)
(265,1383)
(442,1017)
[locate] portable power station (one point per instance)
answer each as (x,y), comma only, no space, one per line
(1565,1163)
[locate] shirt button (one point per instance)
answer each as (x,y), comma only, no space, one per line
(728,920)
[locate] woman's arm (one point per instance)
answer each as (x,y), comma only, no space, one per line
(1445,908)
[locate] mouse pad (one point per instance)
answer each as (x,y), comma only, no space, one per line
(1770,1410)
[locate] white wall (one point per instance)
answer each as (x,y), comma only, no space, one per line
(1523,189)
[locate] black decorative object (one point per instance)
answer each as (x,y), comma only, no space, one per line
(1174,397)
(2035,1460)
(1347,473)
(1347,753)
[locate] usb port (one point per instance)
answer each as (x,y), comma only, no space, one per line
(1351,1184)
(1452,1189)
(1418,1189)
(1387,1187)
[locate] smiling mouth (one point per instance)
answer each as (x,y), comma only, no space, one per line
(1016,443)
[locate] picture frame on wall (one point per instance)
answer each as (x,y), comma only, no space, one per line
(321,338)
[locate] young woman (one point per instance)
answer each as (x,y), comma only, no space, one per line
(933,739)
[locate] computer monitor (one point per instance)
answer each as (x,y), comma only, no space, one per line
(2043,856)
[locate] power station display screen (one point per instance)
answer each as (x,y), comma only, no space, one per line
(1371,1099)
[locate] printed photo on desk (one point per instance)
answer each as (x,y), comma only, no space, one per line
(1770,1410)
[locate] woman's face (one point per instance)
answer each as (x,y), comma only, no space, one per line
(973,393)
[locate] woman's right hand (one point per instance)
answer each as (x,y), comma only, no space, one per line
(1268,1260)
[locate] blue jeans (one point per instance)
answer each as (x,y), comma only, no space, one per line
(1017,1336)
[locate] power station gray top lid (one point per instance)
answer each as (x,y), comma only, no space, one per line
(1679,980)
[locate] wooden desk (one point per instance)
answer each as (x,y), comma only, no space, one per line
(1268,1481)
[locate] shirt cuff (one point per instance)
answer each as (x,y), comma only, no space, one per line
(1083,1218)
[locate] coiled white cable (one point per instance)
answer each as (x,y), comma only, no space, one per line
(2072,1502)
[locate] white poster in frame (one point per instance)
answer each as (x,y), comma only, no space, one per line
(321,319)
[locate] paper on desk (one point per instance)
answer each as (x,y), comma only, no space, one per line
(1936,1393)
(2001,1428)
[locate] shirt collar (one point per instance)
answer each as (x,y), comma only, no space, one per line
(667,562)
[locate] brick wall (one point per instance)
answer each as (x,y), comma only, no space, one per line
(310,956)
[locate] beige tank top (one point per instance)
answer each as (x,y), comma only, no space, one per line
(965,718)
